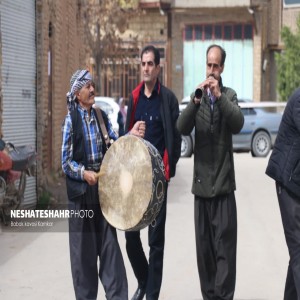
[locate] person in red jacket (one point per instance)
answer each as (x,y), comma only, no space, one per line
(155,104)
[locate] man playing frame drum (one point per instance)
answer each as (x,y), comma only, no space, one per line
(91,237)
(153,103)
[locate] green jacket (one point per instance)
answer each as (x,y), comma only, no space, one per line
(213,155)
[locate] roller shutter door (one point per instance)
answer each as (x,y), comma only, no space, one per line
(18,73)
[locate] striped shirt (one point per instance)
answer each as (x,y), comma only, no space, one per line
(92,144)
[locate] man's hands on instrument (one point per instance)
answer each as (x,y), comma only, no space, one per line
(212,84)
(90,177)
(139,129)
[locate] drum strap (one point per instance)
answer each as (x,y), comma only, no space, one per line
(102,126)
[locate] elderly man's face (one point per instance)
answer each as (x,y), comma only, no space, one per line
(86,95)
(213,63)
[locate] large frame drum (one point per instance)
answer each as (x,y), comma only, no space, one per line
(131,183)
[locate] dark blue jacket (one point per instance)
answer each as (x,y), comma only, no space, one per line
(284,163)
(169,113)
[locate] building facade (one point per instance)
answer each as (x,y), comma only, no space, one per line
(249,30)
(37,59)
(148,25)
(46,46)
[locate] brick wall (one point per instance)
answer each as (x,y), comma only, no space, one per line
(257,61)
(289,17)
(67,56)
(151,27)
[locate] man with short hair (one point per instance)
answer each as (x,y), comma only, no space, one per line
(155,104)
(214,112)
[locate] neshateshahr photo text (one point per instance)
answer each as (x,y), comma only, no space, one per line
(52,214)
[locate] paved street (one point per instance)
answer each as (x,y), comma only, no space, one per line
(35,265)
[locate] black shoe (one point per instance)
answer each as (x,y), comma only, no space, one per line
(139,293)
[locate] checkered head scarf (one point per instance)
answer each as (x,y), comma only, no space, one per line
(78,80)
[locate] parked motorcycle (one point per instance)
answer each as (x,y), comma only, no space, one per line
(16,163)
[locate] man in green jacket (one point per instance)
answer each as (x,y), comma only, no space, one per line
(215,114)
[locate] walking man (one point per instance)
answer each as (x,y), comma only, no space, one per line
(90,236)
(153,103)
(214,112)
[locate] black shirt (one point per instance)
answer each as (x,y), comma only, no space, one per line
(148,110)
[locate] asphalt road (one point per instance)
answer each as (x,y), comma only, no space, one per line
(35,265)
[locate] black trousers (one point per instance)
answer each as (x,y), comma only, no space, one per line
(90,239)
(216,240)
(149,272)
(290,214)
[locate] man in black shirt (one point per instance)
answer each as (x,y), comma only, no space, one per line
(153,103)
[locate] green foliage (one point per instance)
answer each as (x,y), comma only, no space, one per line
(44,200)
(288,62)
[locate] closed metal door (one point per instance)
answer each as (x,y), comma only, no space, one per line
(18,73)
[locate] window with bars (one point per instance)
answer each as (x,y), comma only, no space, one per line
(218,32)
(119,78)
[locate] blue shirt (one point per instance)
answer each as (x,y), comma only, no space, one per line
(148,110)
(92,144)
